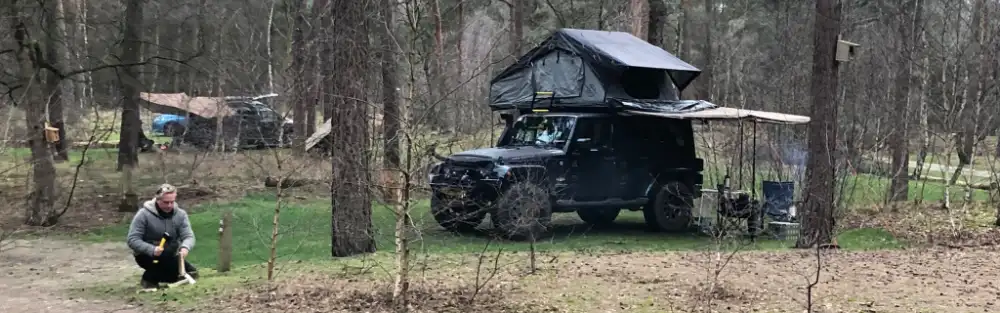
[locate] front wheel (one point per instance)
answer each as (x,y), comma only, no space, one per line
(524,212)
(459,220)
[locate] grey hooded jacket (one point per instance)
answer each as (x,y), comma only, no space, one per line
(148,227)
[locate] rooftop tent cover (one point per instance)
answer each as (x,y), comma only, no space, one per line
(585,67)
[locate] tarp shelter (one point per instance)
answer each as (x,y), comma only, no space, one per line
(182,104)
(585,68)
(320,133)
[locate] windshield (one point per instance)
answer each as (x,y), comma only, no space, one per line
(546,131)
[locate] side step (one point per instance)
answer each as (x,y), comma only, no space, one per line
(611,202)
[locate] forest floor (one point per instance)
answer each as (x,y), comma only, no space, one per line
(579,270)
(46,275)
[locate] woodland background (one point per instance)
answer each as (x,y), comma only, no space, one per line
(900,152)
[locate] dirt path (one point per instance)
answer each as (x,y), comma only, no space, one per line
(920,280)
(36,275)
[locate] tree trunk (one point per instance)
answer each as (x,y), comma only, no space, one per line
(128,154)
(272,256)
(705,92)
(966,141)
(59,91)
(154,83)
(461,108)
(313,92)
(907,26)
(270,47)
(924,134)
(84,89)
(657,22)
(516,28)
(326,46)
(194,87)
(638,18)
(393,177)
(43,190)
(298,68)
(820,178)
(685,41)
(390,94)
(435,72)
(351,223)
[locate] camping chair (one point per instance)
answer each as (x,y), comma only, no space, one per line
(778,200)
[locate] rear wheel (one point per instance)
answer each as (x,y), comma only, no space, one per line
(598,217)
(670,209)
(455,219)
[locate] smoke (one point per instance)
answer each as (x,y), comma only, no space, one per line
(795,155)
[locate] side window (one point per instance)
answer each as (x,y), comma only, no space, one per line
(598,131)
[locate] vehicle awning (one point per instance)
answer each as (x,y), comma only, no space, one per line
(181,103)
(724,113)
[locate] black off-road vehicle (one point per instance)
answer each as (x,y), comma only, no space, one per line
(586,140)
(592,163)
(599,128)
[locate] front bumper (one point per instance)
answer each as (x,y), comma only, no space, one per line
(466,191)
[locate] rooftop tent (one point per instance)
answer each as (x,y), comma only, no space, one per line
(584,68)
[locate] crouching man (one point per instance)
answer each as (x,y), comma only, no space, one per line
(157,219)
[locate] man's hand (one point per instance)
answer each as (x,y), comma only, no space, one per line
(183,252)
(157,251)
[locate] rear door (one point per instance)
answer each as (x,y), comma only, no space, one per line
(593,168)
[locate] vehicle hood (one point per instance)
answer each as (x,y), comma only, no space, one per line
(511,154)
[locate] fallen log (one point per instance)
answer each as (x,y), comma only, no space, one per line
(272,182)
(980,186)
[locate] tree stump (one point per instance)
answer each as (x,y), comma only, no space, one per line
(225,242)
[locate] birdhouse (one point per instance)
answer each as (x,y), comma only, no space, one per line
(51,133)
(845,50)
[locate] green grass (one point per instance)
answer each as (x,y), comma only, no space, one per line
(305,234)
(93,154)
(304,244)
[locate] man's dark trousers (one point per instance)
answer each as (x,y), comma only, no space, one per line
(166,270)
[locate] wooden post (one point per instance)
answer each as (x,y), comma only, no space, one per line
(225,242)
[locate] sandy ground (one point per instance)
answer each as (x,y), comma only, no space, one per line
(37,275)
(896,281)
(886,281)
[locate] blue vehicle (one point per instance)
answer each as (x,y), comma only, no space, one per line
(169,124)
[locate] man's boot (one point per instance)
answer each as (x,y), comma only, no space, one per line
(146,285)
